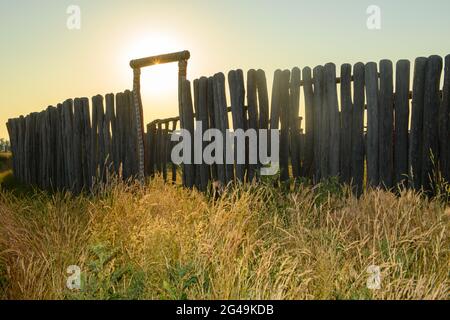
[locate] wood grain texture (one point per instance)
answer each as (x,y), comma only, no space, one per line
(444,123)
(386,125)
(334,119)
(371,80)
(432,103)
(358,147)
(416,134)
(401,122)
(346,125)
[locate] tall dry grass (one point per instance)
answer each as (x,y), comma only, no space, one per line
(163,242)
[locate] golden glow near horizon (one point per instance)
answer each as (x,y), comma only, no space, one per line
(157,79)
(43,62)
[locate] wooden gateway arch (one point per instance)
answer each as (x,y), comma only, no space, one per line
(137,64)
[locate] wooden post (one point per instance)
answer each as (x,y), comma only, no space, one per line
(109,129)
(202,116)
(94,139)
(39,155)
(188,122)
(212,120)
(416,134)
(444,124)
(174,166)
(371,79)
(221,120)
(320,105)
(33,153)
(284,120)
(61,163)
(97,142)
(275,103)
(237,96)
(358,148)
(386,125)
(159,148)
(67,112)
(197,166)
(53,150)
(275,107)
(431,121)
(294,138)
(77,145)
(401,122)
(252,101)
(120,133)
(346,128)
(129,134)
(164,146)
(334,118)
(153,141)
(263,102)
(86,144)
(132,137)
(263,99)
(311,147)
(312,112)
(26,151)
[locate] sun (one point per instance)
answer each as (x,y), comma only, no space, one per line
(158,79)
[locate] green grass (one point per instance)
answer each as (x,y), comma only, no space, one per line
(253,242)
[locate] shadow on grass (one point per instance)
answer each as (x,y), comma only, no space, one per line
(10,184)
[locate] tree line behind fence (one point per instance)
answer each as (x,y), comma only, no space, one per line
(4,145)
(355,127)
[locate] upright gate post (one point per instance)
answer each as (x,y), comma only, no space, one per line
(139,122)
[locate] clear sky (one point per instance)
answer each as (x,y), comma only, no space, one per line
(43,62)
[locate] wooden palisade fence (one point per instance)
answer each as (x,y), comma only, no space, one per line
(357,127)
(364,127)
(72,145)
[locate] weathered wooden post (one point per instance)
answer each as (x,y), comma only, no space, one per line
(237,95)
(202,116)
(346,125)
(174,166)
(224,171)
(263,103)
(320,105)
(444,123)
(371,79)
(358,150)
(188,121)
(334,118)
(284,122)
(294,106)
(416,134)
(313,140)
(252,114)
(401,122)
(432,102)
(386,125)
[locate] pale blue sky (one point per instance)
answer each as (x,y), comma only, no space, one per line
(43,63)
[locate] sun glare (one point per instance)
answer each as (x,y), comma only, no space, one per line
(158,79)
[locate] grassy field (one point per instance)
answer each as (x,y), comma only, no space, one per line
(163,242)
